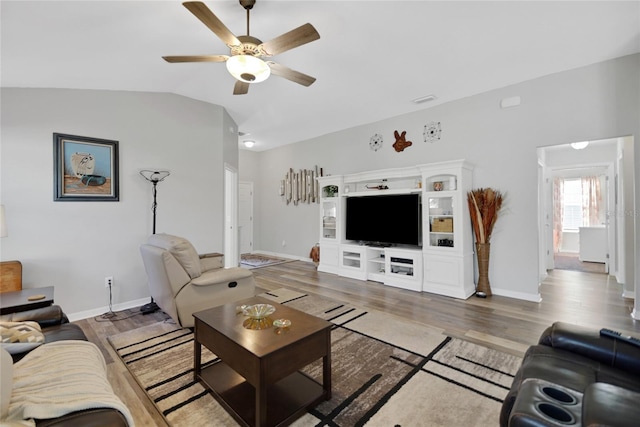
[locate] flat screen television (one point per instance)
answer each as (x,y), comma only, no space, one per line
(392,219)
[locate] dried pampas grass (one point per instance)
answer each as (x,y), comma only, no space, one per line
(484,205)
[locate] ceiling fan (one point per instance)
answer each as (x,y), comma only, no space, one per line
(244,62)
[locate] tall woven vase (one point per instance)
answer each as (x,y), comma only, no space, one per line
(482,251)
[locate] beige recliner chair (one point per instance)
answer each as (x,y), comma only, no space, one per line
(182,282)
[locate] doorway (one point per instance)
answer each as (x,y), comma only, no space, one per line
(573,238)
(245,217)
(581,223)
(231,254)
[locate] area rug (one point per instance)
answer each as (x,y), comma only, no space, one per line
(386,371)
(257,260)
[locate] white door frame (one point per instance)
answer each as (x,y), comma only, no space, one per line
(231,251)
(245,229)
(545,219)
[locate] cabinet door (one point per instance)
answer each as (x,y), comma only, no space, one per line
(445,275)
(403,269)
(443,271)
(328,258)
(329,212)
(352,262)
(441,221)
(329,193)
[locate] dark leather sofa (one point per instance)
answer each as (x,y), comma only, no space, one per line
(53,322)
(575,377)
(56,327)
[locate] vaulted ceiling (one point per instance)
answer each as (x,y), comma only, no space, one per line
(372,59)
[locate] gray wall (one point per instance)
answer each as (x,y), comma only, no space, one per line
(594,102)
(74,245)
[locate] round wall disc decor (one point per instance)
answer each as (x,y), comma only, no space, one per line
(432,132)
(375,143)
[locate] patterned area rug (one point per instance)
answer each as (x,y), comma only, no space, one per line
(386,371)
(257,260)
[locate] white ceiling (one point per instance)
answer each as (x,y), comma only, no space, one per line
(372,59)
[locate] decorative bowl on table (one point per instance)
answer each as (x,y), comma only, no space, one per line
(258,316)
(282,323)
(258,311)
(257,324)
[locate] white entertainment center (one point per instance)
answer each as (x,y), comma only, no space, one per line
(443,264)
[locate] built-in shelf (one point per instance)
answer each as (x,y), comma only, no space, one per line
(352,261)
(444,262)
(404,268)
(376,264)
(448,242)
(330,224)
(381,192)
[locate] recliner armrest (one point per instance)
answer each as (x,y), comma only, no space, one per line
(589,343)
(94,417)
(211,261)
(221,275)
(45,316)
(610,405)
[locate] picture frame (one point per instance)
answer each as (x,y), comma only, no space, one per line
(85,169)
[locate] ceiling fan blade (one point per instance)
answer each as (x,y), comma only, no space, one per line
(294,38)
(196,58)
(241,88)
(289,74)
(202,12)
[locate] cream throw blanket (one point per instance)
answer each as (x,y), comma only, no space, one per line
(58,378)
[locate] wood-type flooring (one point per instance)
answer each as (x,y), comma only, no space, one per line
(588,299)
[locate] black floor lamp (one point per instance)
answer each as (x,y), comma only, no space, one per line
(154,177)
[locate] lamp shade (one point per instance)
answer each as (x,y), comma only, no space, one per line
(248,69)
(3,223)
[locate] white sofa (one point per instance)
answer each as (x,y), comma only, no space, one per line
(182,282)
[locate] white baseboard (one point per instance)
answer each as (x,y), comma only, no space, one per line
(102,310)
(517,295)
(279,255)
(137,303)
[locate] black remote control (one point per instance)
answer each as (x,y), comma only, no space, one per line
(617,335)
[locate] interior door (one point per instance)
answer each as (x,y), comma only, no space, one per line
(245,217)
(231,253)
(609,203)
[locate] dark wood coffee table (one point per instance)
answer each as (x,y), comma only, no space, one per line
(258,380)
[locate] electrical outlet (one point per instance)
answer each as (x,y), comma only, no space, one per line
(284,243)
(108,281)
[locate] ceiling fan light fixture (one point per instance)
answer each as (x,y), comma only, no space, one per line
(248,69)
(249,143)
(579,145)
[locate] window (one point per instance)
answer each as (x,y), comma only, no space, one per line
(572,200)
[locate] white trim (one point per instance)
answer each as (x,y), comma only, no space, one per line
(231,251)
(280,255)
(102,310)
(249,228)
(517,295)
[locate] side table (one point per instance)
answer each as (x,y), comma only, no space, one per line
(26,299)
